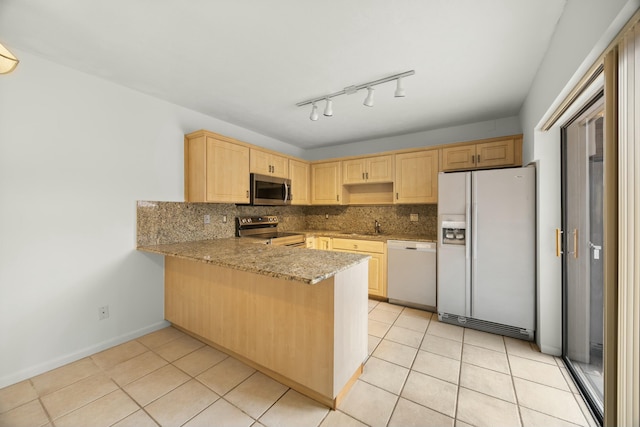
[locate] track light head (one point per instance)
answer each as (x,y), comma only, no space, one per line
(399,89)
(368,101)
(314,112)
(328,109)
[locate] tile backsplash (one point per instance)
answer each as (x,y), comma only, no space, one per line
(173,222)
(394,219)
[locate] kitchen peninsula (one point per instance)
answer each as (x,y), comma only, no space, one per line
(297,315)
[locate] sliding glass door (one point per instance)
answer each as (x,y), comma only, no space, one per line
(583,280)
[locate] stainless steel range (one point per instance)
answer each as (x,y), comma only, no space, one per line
(265,230)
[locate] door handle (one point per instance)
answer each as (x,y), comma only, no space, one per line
(596,250)
(558,242)
(575,243)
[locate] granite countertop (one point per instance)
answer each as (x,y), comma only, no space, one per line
(300,264)
(366,236)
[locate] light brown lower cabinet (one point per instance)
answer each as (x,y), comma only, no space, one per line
(377,263)
(312,338)
(323,243)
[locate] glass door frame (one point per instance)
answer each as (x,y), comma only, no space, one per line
(593,405)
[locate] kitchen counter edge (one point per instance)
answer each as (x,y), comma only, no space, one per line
(298,264)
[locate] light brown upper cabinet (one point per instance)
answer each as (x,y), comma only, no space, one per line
(267,163)
(367,170)
(326,184)
(489,153)
(417,177)
(215,169)
(299,173)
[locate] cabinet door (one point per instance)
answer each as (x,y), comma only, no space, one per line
(353,171)
(493,154)
(299,174)
(310,242)
(227,177)
(323,243)
(260,162)
(417,177)
(195,169)
(377,263)
(325,183)
(269,164)
(377,285)
(279,166)
(462,157)
(376,273)
(379,169)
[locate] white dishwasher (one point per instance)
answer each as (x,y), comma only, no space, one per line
(411,274)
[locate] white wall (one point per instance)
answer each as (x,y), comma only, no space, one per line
(76,152)
(584,31)
(468,132)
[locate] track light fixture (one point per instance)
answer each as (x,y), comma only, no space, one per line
(368,101)
(399,89)
(328,110)
(314,112)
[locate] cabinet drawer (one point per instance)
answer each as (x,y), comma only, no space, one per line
(358,245)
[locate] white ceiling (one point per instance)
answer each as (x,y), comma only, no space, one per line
(249,62)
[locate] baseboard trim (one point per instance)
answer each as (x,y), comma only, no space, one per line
(32,371)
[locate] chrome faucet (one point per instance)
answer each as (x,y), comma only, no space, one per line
(377,227)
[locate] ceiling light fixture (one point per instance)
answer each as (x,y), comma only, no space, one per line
(328,111)
(399,89)
(314,112)
(368,101)
(8,61)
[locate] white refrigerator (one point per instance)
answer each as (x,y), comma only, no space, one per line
(486,250)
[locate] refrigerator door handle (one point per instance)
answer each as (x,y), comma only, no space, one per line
(468,260)
(474,238)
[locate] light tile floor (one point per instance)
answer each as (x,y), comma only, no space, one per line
(420,372)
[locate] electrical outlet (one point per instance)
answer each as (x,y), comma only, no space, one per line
(326,216)
(413,217)
(103,312)
(207,219)
(224,218)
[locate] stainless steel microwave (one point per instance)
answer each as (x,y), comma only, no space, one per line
(269,190)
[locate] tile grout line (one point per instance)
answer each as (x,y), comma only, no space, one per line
(455,412)
(404,383)
(513,383)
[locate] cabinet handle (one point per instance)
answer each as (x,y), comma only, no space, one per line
(247,194)
(575,243)
(362,175)
(478,158)
(396,196)
(473,158)
(337,197)
(558,242)
(355,246)
(367,175)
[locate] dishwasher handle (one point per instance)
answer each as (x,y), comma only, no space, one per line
(411,245)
